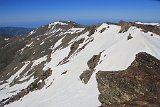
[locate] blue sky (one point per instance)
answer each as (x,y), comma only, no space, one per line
(33,13)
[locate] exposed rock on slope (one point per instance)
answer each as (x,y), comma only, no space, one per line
(145,28)
(136,86)
(92,63)
(148,27)
(124,26)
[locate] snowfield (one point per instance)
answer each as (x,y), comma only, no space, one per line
(67,90)
(157,24)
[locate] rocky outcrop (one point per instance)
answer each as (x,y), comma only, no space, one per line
(145,28)
(73,48)
(101,31)
(148,28)
(92,29)
(43,74)
(92,63)
(144,101)
(83,47)
(75,45)
(124,26)
(129,37)
(136,86)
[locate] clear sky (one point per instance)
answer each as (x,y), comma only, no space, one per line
(33,13)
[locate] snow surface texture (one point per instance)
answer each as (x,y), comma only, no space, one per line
(67,90)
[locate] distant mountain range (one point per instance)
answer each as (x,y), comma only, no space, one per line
(15,31)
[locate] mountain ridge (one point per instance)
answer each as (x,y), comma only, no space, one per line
(58,62)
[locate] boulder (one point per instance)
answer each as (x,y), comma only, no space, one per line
(136,86)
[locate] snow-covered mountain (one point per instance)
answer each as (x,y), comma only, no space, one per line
(56,64)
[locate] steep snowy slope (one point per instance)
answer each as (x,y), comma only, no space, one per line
(58,64)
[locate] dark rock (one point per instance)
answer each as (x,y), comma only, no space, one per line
(145,28)
(101,31)
(92,63)
(73,48)
(83,47)
(43,74)
(124,26)
(143,101)
(40,85)
(148,28)
(64,72)
(75,45)
(86,75)
(136,86)
(129,37)
(91,29)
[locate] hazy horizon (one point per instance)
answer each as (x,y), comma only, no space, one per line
(35,13)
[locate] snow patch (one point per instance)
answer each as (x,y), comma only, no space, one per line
(60,23)
(157,24)
(74,30)
(32,32)
(38,61)
(6,39)
(29,45)
(42,43)
(58,42)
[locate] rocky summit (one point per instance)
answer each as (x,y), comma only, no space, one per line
(65,64)
(137,86)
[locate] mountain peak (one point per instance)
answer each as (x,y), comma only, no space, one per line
(64,23)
